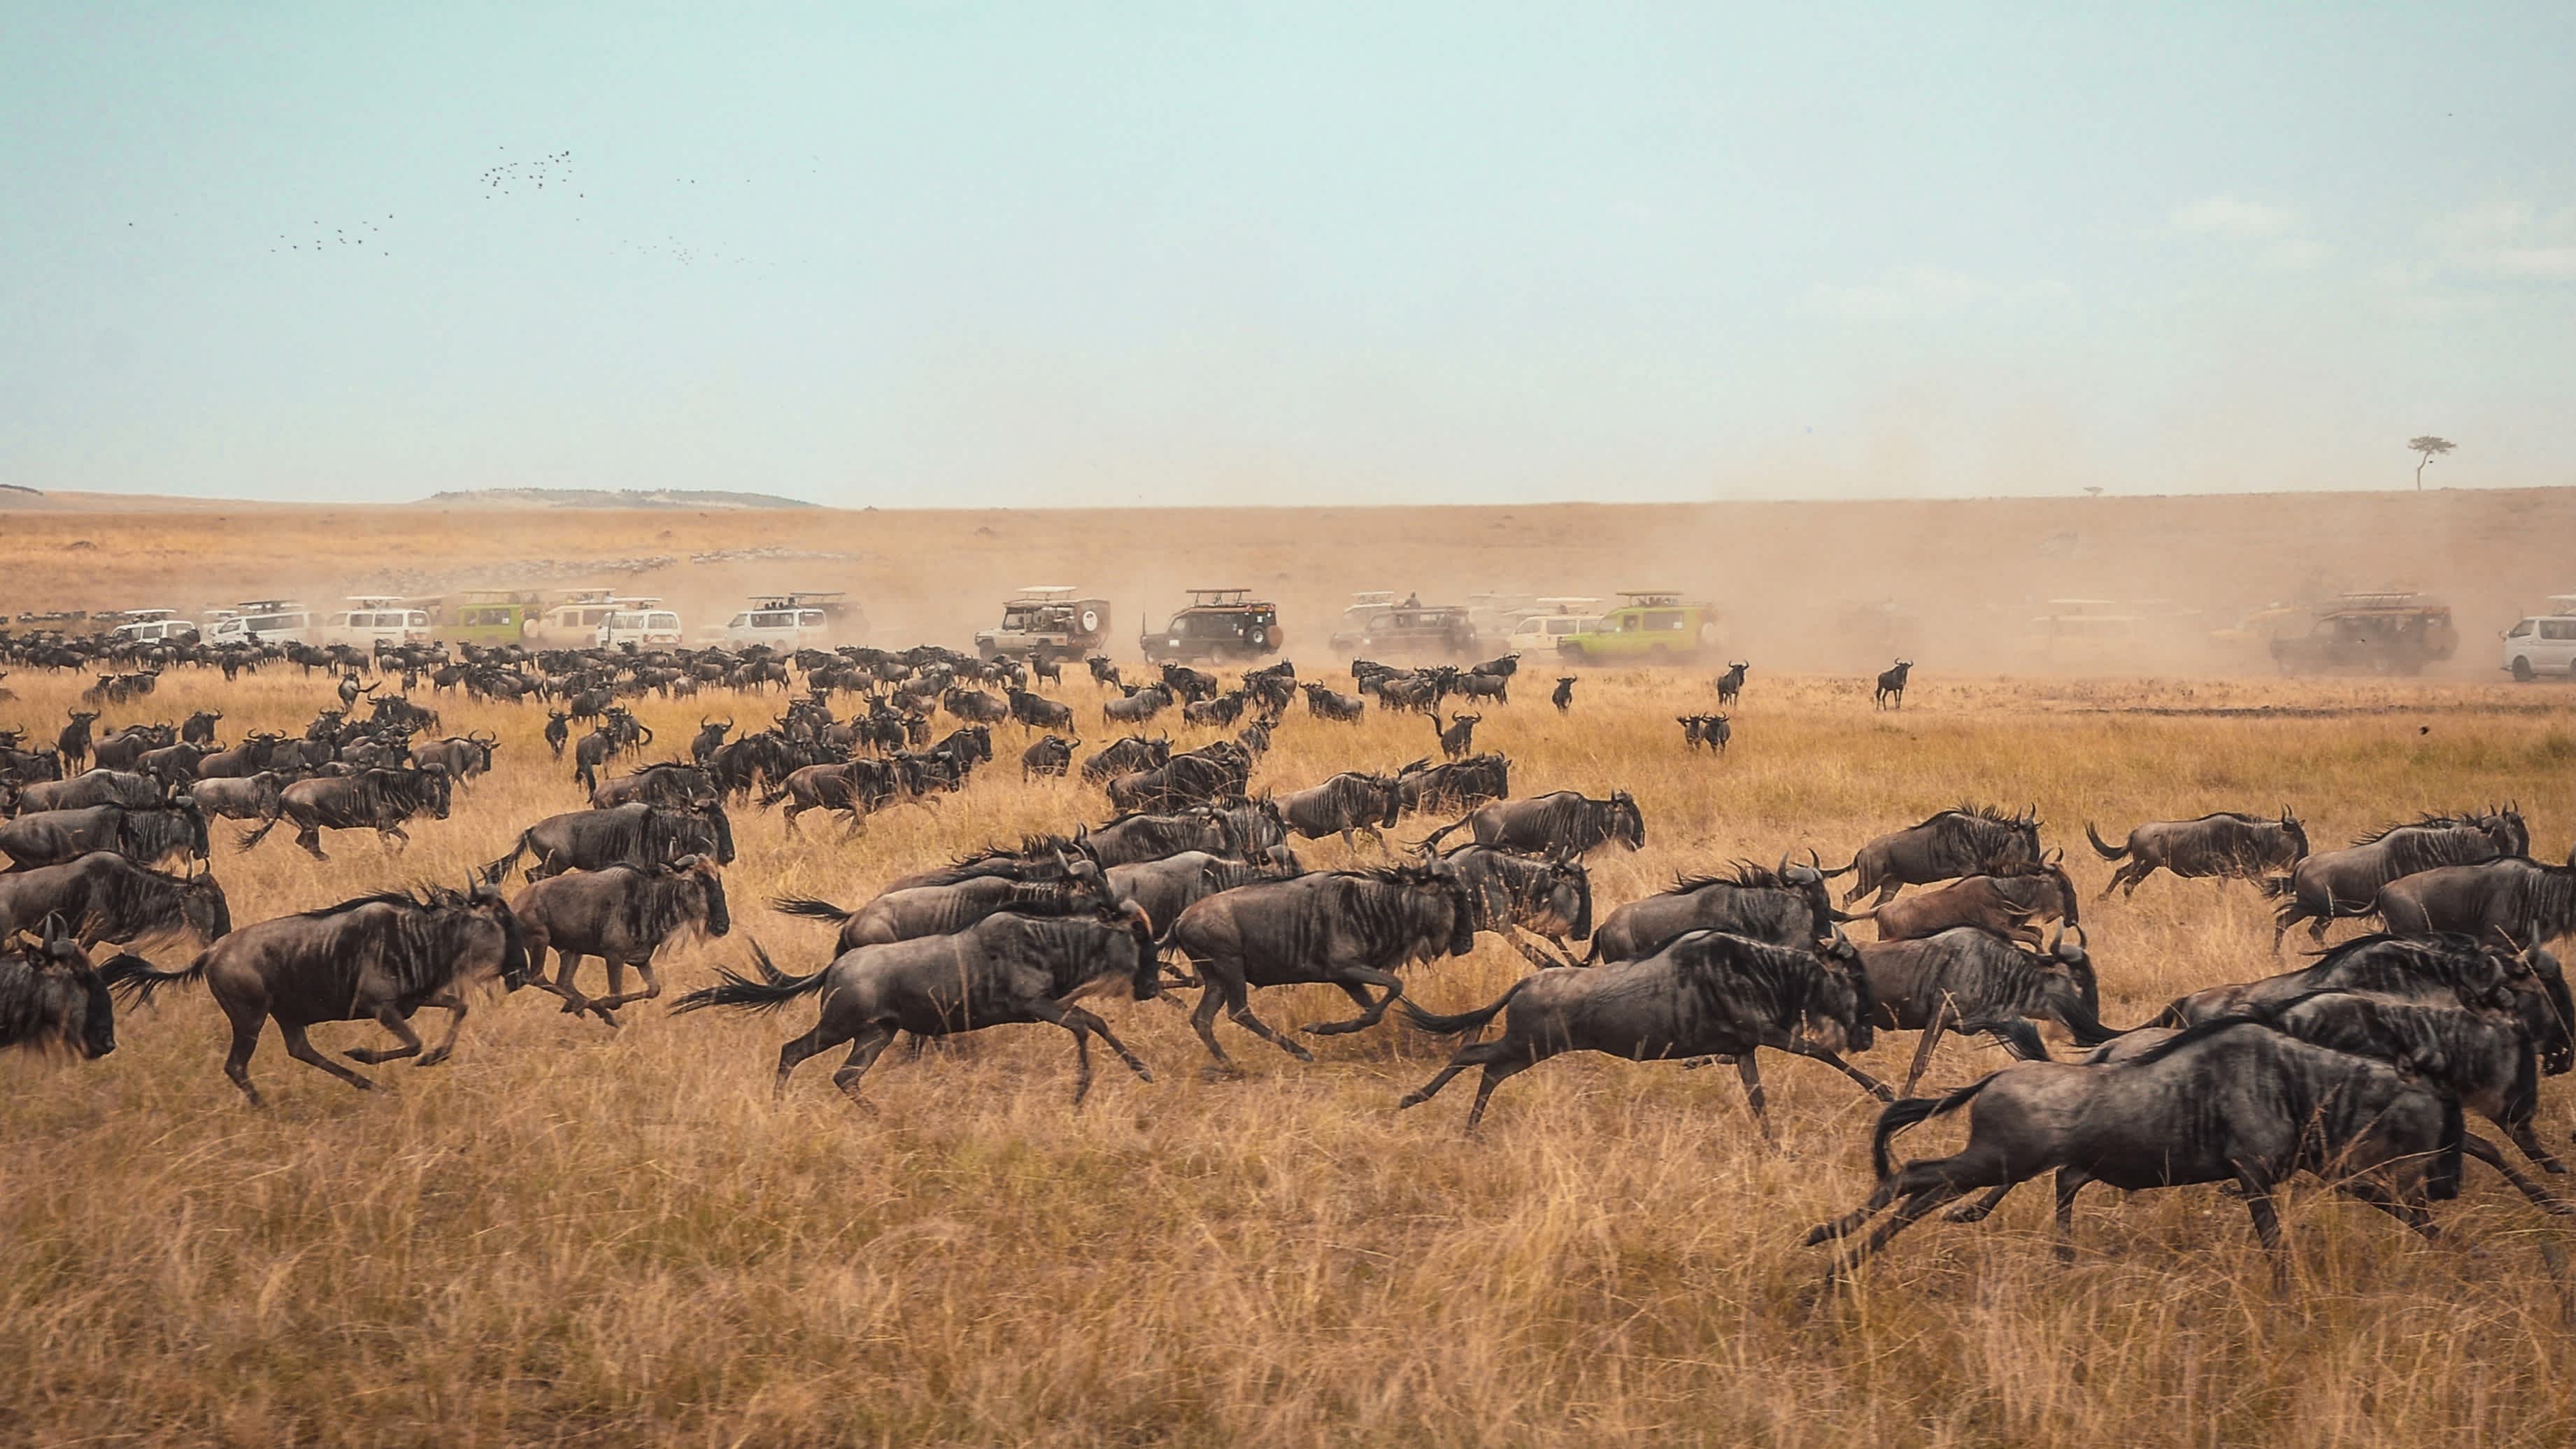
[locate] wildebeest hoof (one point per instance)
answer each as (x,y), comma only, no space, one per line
(1410,1099)
(430,1059)
(1882,1093)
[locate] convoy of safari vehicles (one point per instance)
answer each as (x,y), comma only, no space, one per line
(1047,616)
(1377,625)
(1651,626)
(2543,643)
(2382,633)
(1220,626)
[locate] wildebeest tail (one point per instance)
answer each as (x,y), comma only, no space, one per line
(249,838)
(1904,1114)
(2275,885)
(135,979)
(810,908)
(1464,1021)
(1844,869)
(2107,852)
(1431,842)
(773,797)
(492,873)
(773,990)
(2085,1027)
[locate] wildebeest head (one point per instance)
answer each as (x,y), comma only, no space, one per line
(2297,834)
(1439,878)
(1146,981)
(485,900)
(203,907)
(2504,827)
(70,999)
(1569,896)
(1850,1008)
(1623,822)
(710,883)
(2069,959)
(1809,882)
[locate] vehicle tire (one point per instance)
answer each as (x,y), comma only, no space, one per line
(1091,621)
(2522,671)
(1258,637)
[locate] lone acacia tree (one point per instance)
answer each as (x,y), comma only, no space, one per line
(2431,447)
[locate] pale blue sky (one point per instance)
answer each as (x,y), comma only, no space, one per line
(1200,253)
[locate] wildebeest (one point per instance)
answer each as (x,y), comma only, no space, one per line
(1514,892)
(50,996)
(558,730)
(94,787)
(1459,737)
(1563,698)
(1456,785)
(1348,802)
(638,835)
(1103,673)
(1050,757)
(2513,899)
(1140,704)
(1564,821)
(1004,969)
(2010,899)
(1969,980)
(1125,757)
(1946,845)
(669,784)
(1330,704)
(260,797)
(375,957)
(1351,929)
(1891,686)
(1171,885)
(145,836)
(2228,1101)
(377,800)
(1134,837)
(1731,683)
(2337,883)
(104,897)
(1787,906)
(199,727)
(622,915)
(1478,684)
(1202,776)
(940,910)
(2225,844)
(710,738)
(73,744)
(462,756)
(1039,712)
(595,750)
(1707,994)
(1712,730)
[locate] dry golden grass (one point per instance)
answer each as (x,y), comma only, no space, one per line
(568,1234)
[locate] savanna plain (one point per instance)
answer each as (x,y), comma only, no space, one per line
(575,1234)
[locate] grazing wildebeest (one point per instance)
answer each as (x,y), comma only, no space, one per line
(260,797)
(1351,929)
(73,743)
(94,787)
(1969,980)
(1712,730)
(669,784)
(1005,969)
(2337,883)
(639,835)
(1457,785)
(1952,843)
(1707,994)
(622,915)
(1788,906)
(1173,884)
(145,836)
(1348,802)
(940,910)
(2513,899)
(1459,737)
(1551,898)
(1563,698)
(1549,824)
(2228,1101)
(1731,683)
(2225,844)
(376,957)
(2009,899)
(104,897)
(51,996)
(377,800)
(1891,686)
(1332,705)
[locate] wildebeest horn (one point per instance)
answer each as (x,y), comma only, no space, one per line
(2054,940)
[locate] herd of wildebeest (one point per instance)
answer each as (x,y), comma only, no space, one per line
(2360,1068)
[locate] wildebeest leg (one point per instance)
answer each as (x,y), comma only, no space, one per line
(1101,1029)
(1850,1222)
(1238,1008)
(863,1055)
(1907,1213)
(390,1017)
(813,1043)
(1869,1084)
(2487,1152)
(1203,1021)
(1923,1053)
(1371,1012)
(304,1051)
(310,837)
(246,1029)
(2070,1181)
(1981,1209)
(1751,1076)
(393,832)
(618,996)
(2529,1141)
(454,1005)
(1475,1054)
(565,984)
(1495,1072)
(2379,1195)
(788,814)
(2257,1185)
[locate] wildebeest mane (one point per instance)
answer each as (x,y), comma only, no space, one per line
(2421,822)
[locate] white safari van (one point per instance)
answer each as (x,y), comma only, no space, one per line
(2543,643)
(151,626)
(373,619)
(270,621)
(641,625)
(784,622)
(1537,634)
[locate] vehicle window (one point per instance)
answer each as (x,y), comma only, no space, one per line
(2558,628)
(665,621)
(2519,631)
(1664,619)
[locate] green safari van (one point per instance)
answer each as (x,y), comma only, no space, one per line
(1649,626)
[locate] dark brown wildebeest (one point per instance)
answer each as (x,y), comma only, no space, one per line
(260,797)
(2334,884)
(558,731)
(639,835)
(1221,711)
(1125,757)
(375,957)
(1103,673)
(1563,822)
(50,996)
(1049,758)
(377,800)
(1347,803)
(1141,703)
(199,727)
(2512,899)
(1891,686)
(146,836)
(1459,737)
(462,756)
(96,787)
(1456,785)
(1134,837)
(1707,994)
(1712,730)
(2226,844)
(1563,698)
(1203,776)
(1328,704)
(1964,840)
(1788,906)
(1972,981)
(941,910)
(1513,892)
(1173,884)
(669,784)
(73,744)
(1351,929)
(622,915)
(104,897)
(1003,970)
(121,749)
(1731,683)
(2010,899)
(1039,712)
(710,738)
(854,788)
(258,751)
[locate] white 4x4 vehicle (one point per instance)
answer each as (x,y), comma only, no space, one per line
(643,628)
(784,629)
(2544,643)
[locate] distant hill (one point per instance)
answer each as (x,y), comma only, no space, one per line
(615,498)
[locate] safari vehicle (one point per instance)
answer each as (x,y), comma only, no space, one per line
(1411,629)
(1366,608)
(151,626)
(372,619)
(574,622)
(264,621)
(492,617)
(1219,627)
(809,619)
(641,624)
(1555,620)
(1497,615)
(2392,633)
(2543,643)
(1049,615)
(1655,626)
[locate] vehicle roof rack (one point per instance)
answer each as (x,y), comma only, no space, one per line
(1651,596)
(1219,596)
(1044,593)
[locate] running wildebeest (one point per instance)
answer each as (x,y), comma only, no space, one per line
(1005,969)
(1972,981)
(622,915)
(51,996)
(1460,736)
(1351,929)
(2513,899)
(638,835)
(1731,683)
(1949,844)
(1329,704)
(1512,892)
(669,784)
(2228,1101)
(1563,698)
(375,957)
(1565,820)
(1788,906)
(942,910)
(1348,802)
(2334,884)
(2010,899)
(94,787)
(260,797)
(462,756)
(377,800)
(1202,776)
(1125,757)
(146,836)
(1134,837)
(1707,994)
(1164,888)
(558,730)
(1456,785)
(1711,730)
(1891,686)
(2227,844)
(1103,673)
(104,897)
(1049,758)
